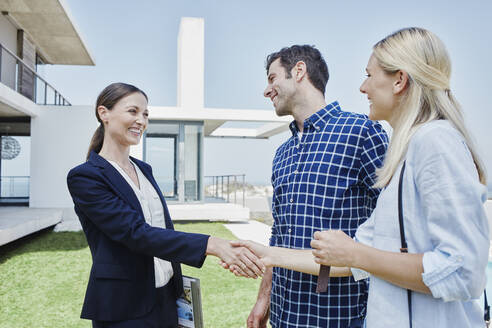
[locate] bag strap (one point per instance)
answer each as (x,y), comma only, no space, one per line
(404,246)
(486,309)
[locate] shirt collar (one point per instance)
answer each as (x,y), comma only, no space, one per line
(319,119)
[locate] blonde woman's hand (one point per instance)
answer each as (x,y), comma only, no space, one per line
(333,247)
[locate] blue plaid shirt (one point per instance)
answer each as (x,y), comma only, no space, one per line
(322,181)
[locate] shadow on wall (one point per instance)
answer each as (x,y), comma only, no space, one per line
(46,241)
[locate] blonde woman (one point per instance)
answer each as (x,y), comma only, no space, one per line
(443,190)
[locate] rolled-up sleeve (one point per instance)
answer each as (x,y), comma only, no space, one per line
(452,199)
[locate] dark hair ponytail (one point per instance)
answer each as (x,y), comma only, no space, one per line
(108,98)
(97,140)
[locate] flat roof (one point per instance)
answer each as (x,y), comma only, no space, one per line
(269,124)
(49,25)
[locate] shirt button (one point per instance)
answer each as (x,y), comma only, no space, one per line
(295,172)
(291,200)
(317,128)
(290,230)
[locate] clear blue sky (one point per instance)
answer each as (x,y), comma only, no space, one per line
(135,42)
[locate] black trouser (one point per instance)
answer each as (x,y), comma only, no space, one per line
(163,315)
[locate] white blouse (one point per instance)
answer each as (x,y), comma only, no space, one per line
(154,216)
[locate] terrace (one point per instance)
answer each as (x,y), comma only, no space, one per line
(21,77)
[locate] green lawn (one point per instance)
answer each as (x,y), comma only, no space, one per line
(43,279)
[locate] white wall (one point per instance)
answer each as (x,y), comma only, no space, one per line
(60,137)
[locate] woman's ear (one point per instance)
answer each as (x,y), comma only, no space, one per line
(103,112)
(401,82)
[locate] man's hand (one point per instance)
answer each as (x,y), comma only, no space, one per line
(244,262)
(260,313)
(258,317)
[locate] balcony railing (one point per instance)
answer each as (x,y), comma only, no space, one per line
(226,187)
(14,186)
(16,74)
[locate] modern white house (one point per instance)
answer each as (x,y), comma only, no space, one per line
(43,135)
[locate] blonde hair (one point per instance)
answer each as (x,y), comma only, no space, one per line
(423,56)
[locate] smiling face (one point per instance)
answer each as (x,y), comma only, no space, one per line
(127,120)
(382,91)
(280,89)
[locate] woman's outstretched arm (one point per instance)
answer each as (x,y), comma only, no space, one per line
(301,260)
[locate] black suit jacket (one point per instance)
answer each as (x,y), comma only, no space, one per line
(122,281)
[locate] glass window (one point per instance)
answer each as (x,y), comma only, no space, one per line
(174,152)
(160,153)
(192,162)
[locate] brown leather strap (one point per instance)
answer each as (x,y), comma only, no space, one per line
(323,278)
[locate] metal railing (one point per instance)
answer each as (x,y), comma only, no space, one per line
(26,81)
(14,186)
(226,187)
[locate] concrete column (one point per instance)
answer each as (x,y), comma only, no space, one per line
(181,163)
(191,50)
(201,185)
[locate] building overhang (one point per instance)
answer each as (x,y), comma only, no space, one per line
(268,124)
(13,104)
(50,26)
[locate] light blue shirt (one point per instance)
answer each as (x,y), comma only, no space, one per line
(445,220)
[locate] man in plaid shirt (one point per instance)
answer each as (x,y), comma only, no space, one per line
(322,179)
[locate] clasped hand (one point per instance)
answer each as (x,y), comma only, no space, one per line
(243,260)
(260,251)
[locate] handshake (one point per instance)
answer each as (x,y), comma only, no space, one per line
(250,259)
(243,258)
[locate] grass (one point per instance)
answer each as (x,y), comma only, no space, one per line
(44,276)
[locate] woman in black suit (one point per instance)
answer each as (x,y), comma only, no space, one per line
(135,277)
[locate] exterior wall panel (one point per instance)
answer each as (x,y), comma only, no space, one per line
(60,137)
